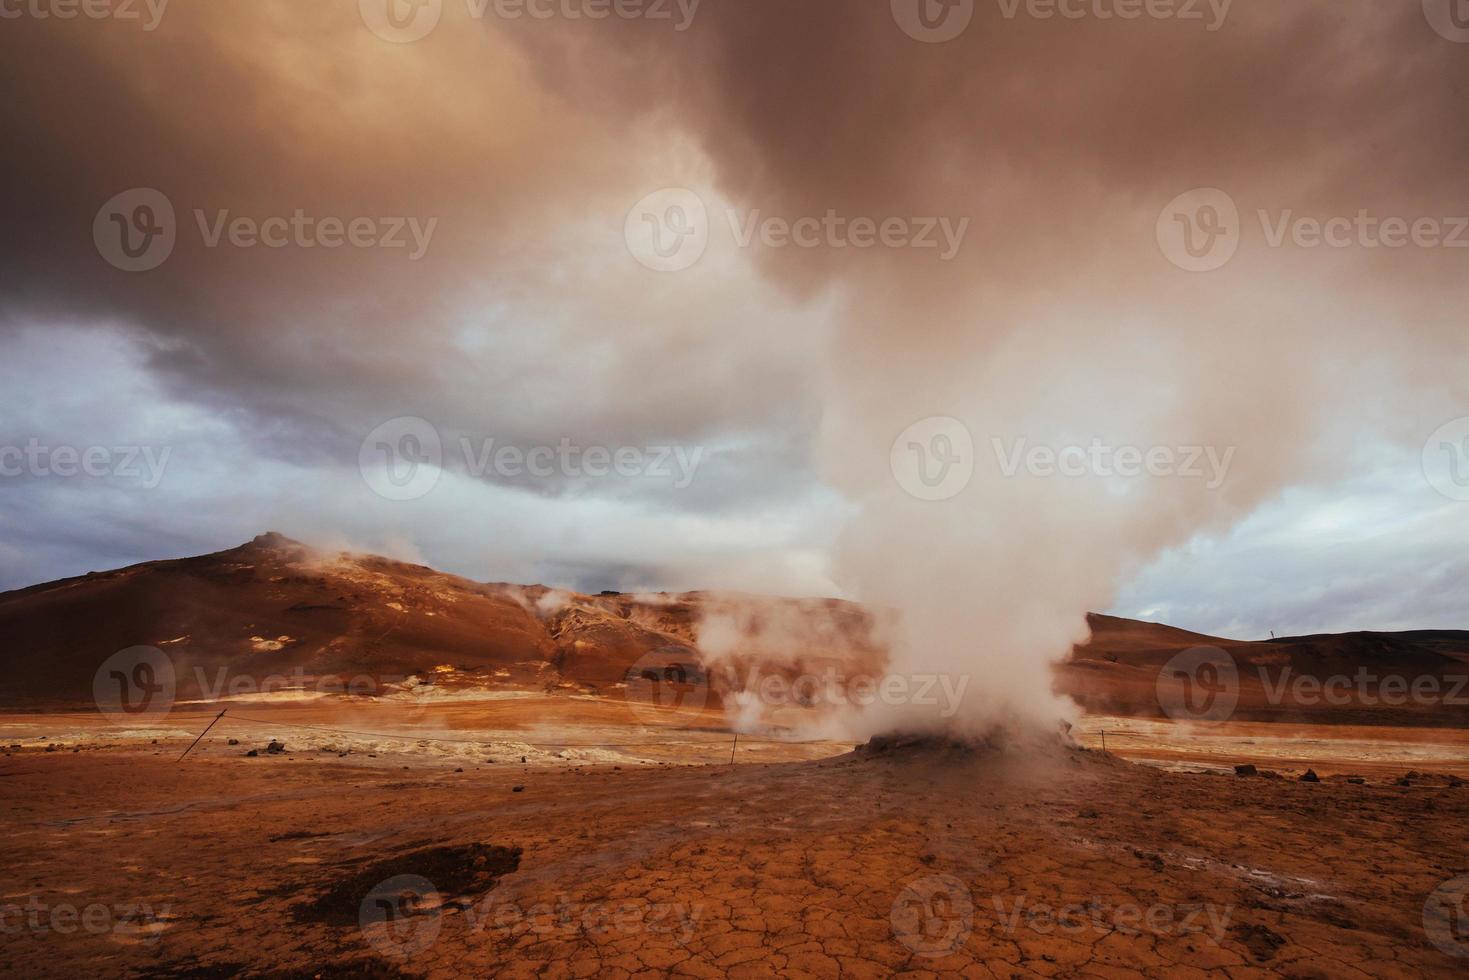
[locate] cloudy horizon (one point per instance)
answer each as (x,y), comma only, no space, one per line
(671,295)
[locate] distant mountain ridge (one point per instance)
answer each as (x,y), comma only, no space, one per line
(275,606)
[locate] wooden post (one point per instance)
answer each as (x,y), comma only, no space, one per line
(201,735)
(733,747)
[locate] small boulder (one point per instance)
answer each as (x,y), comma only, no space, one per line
(1357,780)
(1309,776)
(517,789)
(275,747)
(1246,770)
(253,753)
(234,741)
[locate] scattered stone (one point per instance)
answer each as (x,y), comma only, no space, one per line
(234,741)
(1246,770)
(522,760)
(1309,776)
(1261,941)
(517,789)
(1356,780)
(253,753)
(275,748)
(50,748)
(460,769)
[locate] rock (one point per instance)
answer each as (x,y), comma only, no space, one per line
(460,769)
(253,753)
(1309,776)
(1246,770)
(275,748)
(1356,780)
(517,789)
(50,748)
(234,741)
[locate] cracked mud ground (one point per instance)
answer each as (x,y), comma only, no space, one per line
(927,863)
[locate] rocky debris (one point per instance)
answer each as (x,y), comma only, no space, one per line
(1357,780)
(454,871)
(1246,770)
(253,753)
(1309,776)
(517,789)
(234,741)
(1261,941)
(275,747)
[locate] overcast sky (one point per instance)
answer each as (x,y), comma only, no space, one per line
(277,266)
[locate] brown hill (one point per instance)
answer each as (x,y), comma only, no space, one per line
(1420,677)
(275,613)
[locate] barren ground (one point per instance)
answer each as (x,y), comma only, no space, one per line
(658,856)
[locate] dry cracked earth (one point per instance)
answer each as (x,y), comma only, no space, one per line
(921,862)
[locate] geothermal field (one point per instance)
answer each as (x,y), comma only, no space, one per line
(734,488)
(421,775)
